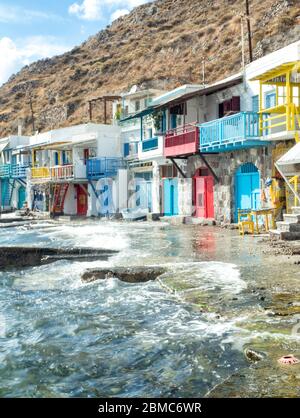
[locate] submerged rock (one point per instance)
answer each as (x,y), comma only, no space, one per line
(125,274)
(15,257)
(253,355)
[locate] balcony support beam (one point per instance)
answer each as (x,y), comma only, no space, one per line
(209,167)
(178,168)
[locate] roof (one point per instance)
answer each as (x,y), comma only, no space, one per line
(180,94)
(277,71)
(140,114)
(287,163)
(176,93)
(3,145)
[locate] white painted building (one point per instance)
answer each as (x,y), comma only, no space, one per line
(69,162)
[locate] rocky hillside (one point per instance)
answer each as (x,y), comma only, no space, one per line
(160,44)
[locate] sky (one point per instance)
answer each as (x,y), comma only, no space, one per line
(35,29)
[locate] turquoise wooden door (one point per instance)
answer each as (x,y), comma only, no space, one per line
(171,197)
(247,188)
(5,193)
(21,197)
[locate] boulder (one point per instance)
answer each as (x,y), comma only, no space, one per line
(125,274)
(253,355)
(16,257)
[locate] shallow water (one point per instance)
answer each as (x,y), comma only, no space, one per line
(178,336)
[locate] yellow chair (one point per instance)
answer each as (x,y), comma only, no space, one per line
(245,220)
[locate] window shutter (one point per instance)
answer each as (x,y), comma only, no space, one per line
(236,104)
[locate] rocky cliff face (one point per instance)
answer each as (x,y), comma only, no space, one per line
(160,44)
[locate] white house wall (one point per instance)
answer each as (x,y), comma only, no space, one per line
(70,204)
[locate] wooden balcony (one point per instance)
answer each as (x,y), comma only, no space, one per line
(149,144)
(62,172)
(235,132)
(98,168)
(181,141)
(5,170)
(53,174)
(19,171)
(40,174)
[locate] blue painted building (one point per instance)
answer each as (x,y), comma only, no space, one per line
(14,165)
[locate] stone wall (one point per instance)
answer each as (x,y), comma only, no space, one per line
(225,166)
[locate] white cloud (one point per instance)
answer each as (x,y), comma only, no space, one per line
(118,13)
(97,9)
(88,10)
(23,52)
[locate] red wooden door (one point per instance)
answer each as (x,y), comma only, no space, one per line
(82,202)
(204,197)
(209,183)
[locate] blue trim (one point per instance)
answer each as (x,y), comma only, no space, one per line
(150,144)
(126,149)
(141,128)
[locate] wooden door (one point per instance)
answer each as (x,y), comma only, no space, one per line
(204,197)
(82,200)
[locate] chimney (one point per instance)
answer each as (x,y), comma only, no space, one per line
(20,127)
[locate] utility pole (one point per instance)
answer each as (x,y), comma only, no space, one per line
(203,72)
(243,44)
(32,113)
(249,31)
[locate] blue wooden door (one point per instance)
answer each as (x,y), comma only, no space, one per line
(5,193)
(21,197)
(171,197)
(247,188)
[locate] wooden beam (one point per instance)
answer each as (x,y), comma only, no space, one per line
(209,166)
(178,168)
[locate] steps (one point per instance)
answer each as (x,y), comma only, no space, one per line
(60,191)
(289,228)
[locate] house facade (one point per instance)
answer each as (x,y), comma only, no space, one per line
(221,142)
(14,165)
(196,151)
(68,165)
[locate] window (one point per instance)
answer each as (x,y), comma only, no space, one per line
(149,133)
(137,105)
(255,103)
(270,99)
(168,171)
(147,102)
(230,106)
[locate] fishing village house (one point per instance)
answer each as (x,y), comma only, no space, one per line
(195,152)
(14,165)
(223,140)
(67,164)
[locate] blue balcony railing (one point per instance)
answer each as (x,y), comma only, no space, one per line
(233,132)
(103,167)
(19,170)
(150,144)
(5,170)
